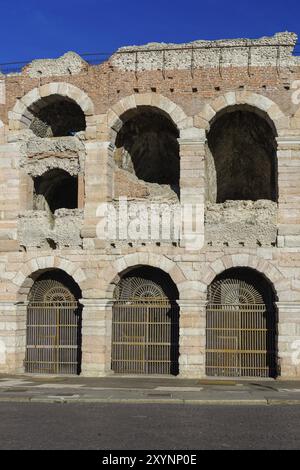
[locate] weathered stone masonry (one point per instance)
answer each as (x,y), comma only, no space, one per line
(221,123)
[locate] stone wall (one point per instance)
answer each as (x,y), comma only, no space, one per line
(68,64)
(40,229)
(241,223)
(228,52)
(191,84)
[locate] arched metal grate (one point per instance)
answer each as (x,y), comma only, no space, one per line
(53,339)
(138,288)
(145,328)
(50,290)
(240,330)
(233,292)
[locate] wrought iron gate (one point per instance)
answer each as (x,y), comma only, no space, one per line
(145,331)
(240,332)
(53,330)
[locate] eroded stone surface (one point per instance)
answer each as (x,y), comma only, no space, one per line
(68,64)
(127,184)
(39,228)
(200,53)
(241,223)
(40,155)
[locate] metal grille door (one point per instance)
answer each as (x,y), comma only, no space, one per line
(240,334)
(53,343)
(145,336)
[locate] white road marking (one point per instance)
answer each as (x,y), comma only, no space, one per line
(179,389)
(14,383)
(51,385)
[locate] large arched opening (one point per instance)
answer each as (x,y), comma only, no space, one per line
(147,146)
(145,323)
(56,116)
(53,327)
(241,325)
(241,157)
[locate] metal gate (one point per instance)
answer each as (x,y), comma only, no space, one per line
(145,331)
(53,330)
(240,332)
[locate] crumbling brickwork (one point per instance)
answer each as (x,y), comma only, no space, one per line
(215,124)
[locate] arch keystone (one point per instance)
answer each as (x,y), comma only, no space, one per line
(230,98)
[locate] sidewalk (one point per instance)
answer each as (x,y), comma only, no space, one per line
(63,389)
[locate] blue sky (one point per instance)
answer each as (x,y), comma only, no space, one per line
(36,28)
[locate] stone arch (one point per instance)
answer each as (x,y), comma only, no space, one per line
(24,279)
(20,117)
(209,110)
(241,305)
(261,265)
(174,125)
(175,112)
(141,286)
(116,269)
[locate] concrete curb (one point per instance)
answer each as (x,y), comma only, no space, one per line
(160,401)
(287,401)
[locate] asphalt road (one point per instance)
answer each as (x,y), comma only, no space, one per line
(150,427)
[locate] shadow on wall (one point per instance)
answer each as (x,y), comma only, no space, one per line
(241,156)
(55,189)
(147,147)
(57,116)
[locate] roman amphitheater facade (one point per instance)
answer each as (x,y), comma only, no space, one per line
(211,128)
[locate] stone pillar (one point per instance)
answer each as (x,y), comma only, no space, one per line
(96,337)
(12,336)
(288,184)
(80,195)
(192,184)
(26,192)
(289,339)
(98,189)
(9,195)
(192,338)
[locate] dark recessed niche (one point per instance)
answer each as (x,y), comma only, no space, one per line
(241,164)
